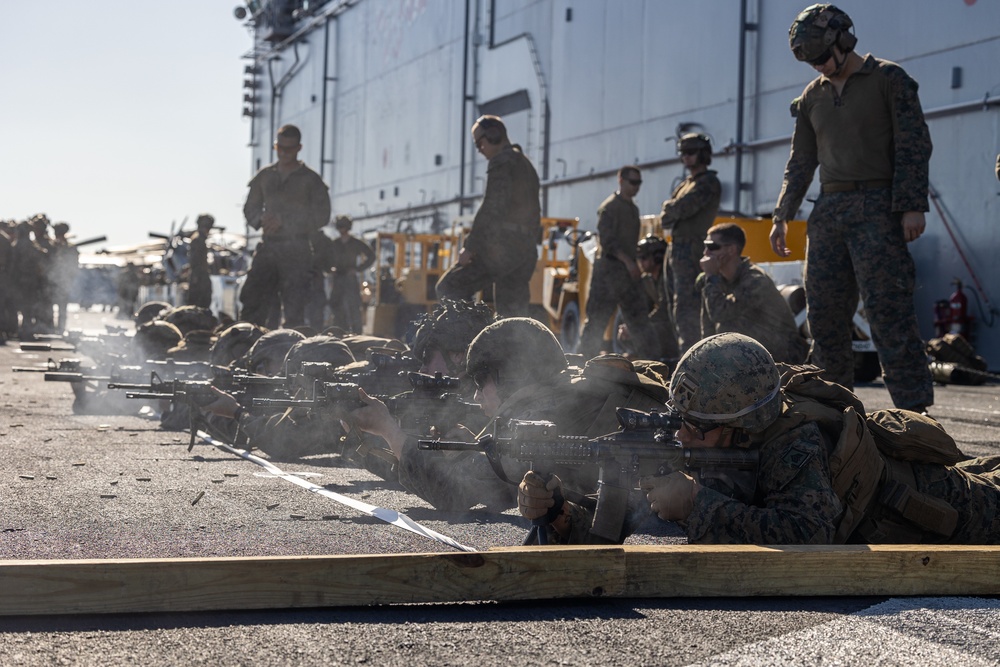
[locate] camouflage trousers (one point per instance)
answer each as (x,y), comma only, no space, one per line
(345,301)
(511,284)
(612,287)
(280,268)
(856,245)
(682,271)
(973,488)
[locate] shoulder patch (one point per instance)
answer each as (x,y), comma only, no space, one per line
(796,457)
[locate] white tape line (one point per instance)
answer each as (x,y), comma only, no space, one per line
(389,516)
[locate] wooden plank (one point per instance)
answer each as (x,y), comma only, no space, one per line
(162,585)
(522,573)
(701,571)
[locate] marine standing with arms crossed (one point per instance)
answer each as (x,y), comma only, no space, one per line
(502,248)
(288,202)
(688,214)
(860,121)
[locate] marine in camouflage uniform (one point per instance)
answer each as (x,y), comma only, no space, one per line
(8,310)
(521,373)
(288,202)
(502,248)
(616,278)
(860,121)
(688,214)
(440,344)
(650,254)
(349,257)
(200,280)
(738,296)
(731,394)
(65,269)
(28,279)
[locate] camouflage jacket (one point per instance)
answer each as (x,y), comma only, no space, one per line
(617,227)
(692,207)
(794,501)
(751,304)
(300,198)
(508,222)
(879,110)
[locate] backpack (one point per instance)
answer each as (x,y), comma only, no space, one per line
(869,464)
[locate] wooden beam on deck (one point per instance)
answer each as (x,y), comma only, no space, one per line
(522,573)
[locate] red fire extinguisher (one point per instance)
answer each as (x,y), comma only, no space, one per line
(958,319)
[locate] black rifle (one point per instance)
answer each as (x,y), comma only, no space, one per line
(194,393)
(135,374)
(340,395)
(433,406)
(53,366)
(644,446)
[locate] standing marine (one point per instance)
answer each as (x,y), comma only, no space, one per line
(288,202)
(616,281)
(861,123)
(501,250)
(687,215)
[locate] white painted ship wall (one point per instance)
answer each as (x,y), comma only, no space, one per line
(385,91)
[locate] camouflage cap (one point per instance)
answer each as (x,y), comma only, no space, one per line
(517,351)
(728,379)
(450,328)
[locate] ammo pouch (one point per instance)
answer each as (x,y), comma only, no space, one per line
(856,469)
(903,514)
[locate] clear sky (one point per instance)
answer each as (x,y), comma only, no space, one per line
(123,116)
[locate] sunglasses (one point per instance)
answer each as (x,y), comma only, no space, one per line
(699,430)
(821,58)
(635,181)
(689,151)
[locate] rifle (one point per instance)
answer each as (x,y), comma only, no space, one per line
(643,446)
(341,395)
(194,393)
(53,366)
(432,405)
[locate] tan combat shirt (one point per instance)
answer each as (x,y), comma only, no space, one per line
(874,130)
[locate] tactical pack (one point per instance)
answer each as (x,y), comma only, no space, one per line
(870,460)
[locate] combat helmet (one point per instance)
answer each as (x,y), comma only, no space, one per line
(515,351)
(727,380)
(326,349)
(153,339)
(190,318)
(653,246)
(343,222)
(270,349)
(450,328)
(149,311)
(234,342)
(819,28)
(694,141)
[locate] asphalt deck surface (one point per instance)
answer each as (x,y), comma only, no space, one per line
(78,487)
